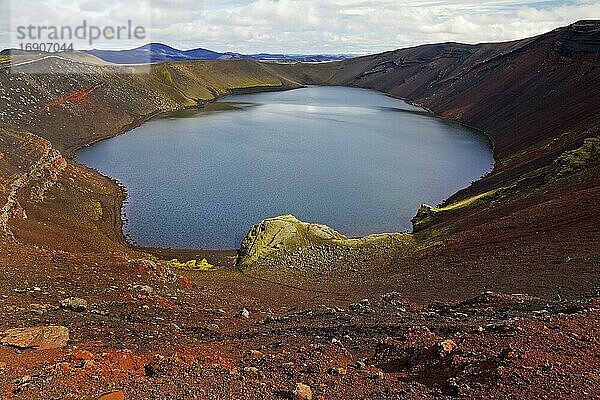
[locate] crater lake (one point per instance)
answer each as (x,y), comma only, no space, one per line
(354,159)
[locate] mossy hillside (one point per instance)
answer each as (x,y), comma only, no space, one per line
(180,84)
(569,163)
(432,235)
(428,215)
(566,165)
(273,237)
(469,201)
(586,156)
(205,81)
(161,88)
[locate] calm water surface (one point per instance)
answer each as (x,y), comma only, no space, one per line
(354,159)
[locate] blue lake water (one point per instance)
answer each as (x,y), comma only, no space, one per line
(356,160)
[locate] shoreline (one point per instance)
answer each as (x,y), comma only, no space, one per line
(121,190)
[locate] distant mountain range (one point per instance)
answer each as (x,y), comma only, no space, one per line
(158,52)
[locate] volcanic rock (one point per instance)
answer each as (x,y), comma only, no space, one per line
(303,392)
(41,337)
(446,347)
(74,304)
(286,234)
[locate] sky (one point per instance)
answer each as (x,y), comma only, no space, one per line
(304,26)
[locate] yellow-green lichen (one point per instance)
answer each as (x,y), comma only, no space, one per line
(191,265)
(94,210)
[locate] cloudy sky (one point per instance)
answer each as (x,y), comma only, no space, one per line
(307,26)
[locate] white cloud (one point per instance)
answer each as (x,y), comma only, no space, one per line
(307,26)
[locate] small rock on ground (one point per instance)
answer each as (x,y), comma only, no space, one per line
(446,347)
(303,392)
(74,304)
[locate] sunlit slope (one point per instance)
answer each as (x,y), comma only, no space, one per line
(73,103)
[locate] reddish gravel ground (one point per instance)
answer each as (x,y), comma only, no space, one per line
(149,336)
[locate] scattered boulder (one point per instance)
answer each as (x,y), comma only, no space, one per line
(302,392)
(144,265)
(338,371)
(244,313)
(74,304)
(39,309)
(18,212)
(41,337)
(144,289)
(158,269)
(446,347)
(255,354)
(391,299)
(252,370)
(378,375)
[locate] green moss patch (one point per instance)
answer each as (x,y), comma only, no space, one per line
(586,156)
